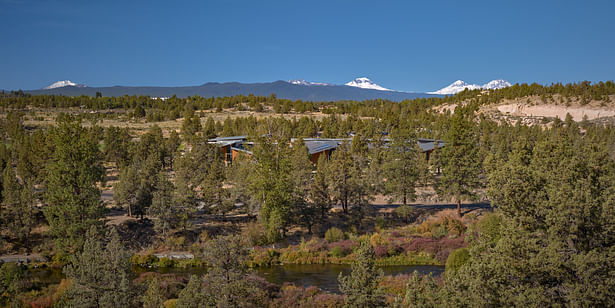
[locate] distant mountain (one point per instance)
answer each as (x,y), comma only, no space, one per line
(365,83)
(461,85)
(308,91)
(63,83)
(496,84)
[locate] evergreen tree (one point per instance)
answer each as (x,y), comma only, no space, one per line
(401,168)
(319,190)
(239,177)
(361,285)
(226,282)
(117,145)
(100,274)
(139,112)
(555,243)
(163,206)
(459,159)
(193,296)
(18,204)
(340,176)
(152,297)
(272,187)
(209,131)
(301,177)
(421,291)
(72,196)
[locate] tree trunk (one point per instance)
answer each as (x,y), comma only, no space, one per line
(129,210)
(459,207)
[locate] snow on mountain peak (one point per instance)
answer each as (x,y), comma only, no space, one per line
(365,83)
(461,85)
(63,83)
(497,84)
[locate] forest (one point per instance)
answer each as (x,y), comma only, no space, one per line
(102,189)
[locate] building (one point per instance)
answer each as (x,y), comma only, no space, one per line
(231,147)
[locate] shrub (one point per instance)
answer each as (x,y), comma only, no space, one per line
(404,212)
(346,246)
(172,303)
(317,244)
(490,227)
(293,296)
(381,222)
(254,234)
(381,251)
(439,231)
(457,259)
(377,239)
(143,260)
(334,235)
(337,251)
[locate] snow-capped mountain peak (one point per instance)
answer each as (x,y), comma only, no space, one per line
(496,84)
(63,83)
(303,82)
(461,85)
(365,83)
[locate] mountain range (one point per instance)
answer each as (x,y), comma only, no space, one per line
(461,85)
(358,89)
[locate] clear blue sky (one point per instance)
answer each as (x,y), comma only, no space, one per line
(402,45)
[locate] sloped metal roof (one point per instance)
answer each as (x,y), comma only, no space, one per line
(317,146)
(232,138)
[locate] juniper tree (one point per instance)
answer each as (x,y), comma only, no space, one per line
(361,286)
(100,274)
(118,144)
(152,297)
(18,206)
(72,197)
(555,243)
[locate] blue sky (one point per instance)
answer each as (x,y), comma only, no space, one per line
(402,45)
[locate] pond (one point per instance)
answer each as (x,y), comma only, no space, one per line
(323,276)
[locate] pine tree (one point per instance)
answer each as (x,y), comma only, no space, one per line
(18,203)
(401,168)
(163,206)
(193,296)
(301,177)
(319,190)
(152,297)
(100,274)
(72,196)
(459,159)
(361,285)
(340,176)
(272,187)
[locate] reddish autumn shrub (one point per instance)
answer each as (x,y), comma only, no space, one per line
(382,251)
(440,248)
(317,245)
(346,246)
(425,244)
(446,246)
(294,296)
